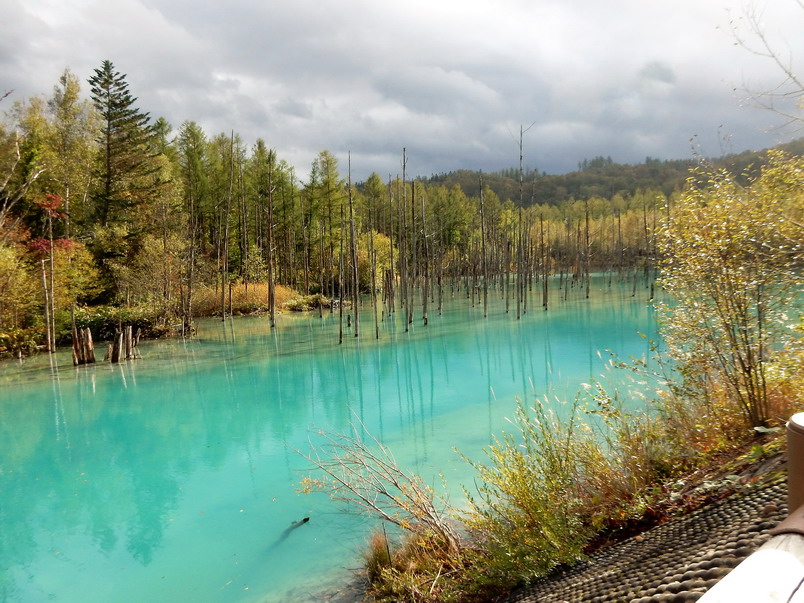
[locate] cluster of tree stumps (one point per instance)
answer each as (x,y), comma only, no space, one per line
(124,345)
(83,348)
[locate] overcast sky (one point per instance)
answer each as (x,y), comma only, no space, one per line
(451,80)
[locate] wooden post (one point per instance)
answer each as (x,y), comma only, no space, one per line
(775,572)
(795,462)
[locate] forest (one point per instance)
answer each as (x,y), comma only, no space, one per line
(110,218)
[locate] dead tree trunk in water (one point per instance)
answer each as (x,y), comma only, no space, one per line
(225,224)
(426,281)
(124,345)
(403,247)
(520,268)
(321,266)
(306,223)
(413,266)
(544,262)
(187,320)
(127,342)
(521,272)
(340,284)
(353,244)
(587,251)
(52,285)
(373,267)
(483,252)
(390,279)
(116,348)
(48,324)
(270,209)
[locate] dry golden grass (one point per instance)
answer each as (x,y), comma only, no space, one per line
(377,555)
(251,298)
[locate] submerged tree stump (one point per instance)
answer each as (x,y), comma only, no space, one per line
(124,346)
(116,347)
(83,348)
(128,342)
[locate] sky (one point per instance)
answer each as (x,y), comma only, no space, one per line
(452,81)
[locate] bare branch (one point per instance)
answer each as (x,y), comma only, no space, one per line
(363,473)
(787,97)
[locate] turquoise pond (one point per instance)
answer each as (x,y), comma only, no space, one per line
(173,477)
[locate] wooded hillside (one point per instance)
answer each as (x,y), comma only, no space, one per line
(602,177)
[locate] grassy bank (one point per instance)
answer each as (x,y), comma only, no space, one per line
(549,492)
(154,318)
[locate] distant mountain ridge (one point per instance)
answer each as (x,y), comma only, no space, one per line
(599,177)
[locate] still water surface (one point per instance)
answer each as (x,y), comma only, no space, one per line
(173,477)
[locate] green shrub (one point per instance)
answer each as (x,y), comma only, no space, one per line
(103,321)
(19,342)
(305,303)
(526,517)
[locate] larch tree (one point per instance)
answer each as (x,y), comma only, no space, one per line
(71,145)
(193,168)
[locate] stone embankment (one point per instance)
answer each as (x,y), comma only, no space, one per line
(677,561)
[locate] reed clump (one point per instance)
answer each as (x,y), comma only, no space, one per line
(416,568)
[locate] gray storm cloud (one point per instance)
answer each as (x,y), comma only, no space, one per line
(449,81)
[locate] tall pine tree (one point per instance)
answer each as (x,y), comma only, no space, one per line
(125,170)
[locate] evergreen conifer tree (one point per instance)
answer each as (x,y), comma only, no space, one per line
(125,133)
